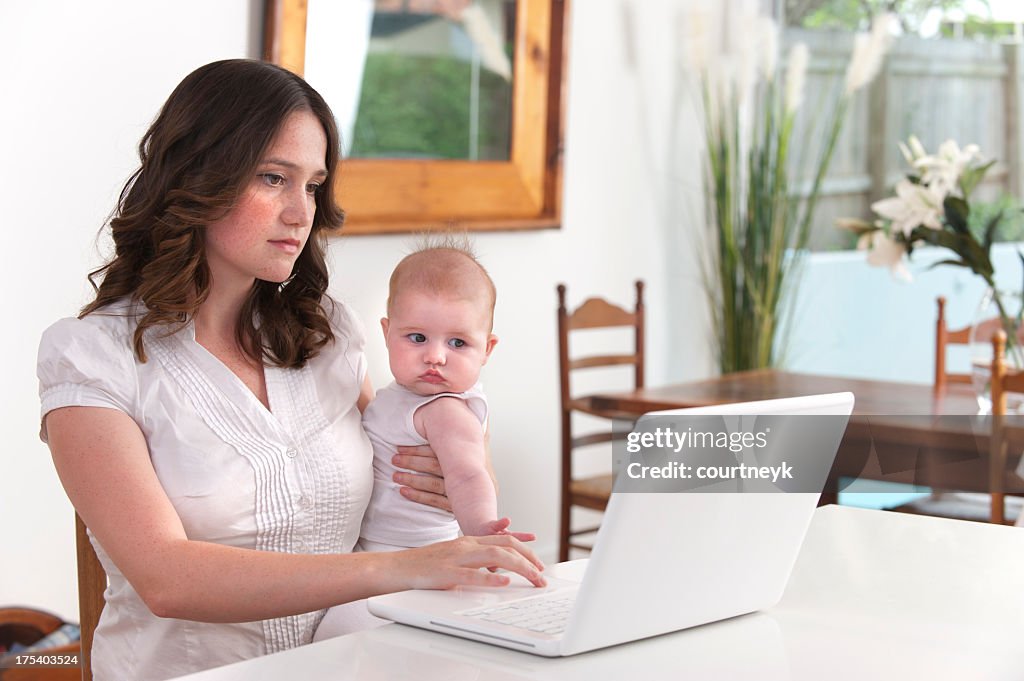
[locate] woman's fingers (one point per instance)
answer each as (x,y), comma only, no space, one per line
(421,496)
(470,577)
(425,486)
(419,459)
(506,558)
(513,546)
(424,483)
(464,561)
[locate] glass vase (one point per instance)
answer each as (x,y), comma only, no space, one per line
(998,309)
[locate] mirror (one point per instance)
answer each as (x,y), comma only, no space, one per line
(449,110)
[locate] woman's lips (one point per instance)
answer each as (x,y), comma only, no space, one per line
(287,245)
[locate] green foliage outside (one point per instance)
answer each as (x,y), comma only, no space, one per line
(1011,227)
(976,28)
(855,15)
(419,107)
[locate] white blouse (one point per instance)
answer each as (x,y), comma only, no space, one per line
(293,479)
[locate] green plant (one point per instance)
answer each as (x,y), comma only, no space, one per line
(758,231)
(932,206)
(856,14)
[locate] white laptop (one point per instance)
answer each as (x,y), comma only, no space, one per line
(666,560)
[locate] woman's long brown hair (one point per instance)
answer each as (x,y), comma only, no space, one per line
(196,158)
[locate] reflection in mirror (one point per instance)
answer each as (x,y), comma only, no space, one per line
(449,110)
(423,79)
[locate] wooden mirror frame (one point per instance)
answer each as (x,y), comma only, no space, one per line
(402,195)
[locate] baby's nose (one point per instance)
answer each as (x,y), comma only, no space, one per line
(433,355)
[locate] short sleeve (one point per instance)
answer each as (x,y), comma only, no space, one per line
(81,363)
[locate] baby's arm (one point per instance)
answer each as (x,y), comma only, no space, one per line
(455,435)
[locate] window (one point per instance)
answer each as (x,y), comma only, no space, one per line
(450,110)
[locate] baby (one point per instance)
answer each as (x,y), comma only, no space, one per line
(438,334)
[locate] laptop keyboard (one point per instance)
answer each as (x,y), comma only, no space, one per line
(543,615)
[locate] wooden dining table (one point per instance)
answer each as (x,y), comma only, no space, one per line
(899,432)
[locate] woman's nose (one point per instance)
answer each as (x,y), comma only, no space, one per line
(300,209)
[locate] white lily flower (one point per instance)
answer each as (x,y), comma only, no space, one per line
(913,206)
(916,147)
(796,76)
(943,170)
(885,252)
(908,155)
(919,203)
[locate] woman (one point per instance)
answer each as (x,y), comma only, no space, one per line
(203,412)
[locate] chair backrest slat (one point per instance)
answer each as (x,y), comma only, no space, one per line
(597,313)
(92,582)
(602,361)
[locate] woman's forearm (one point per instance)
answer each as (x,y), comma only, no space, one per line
(214,583)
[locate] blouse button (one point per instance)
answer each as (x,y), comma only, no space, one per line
(291,453)
(305,501)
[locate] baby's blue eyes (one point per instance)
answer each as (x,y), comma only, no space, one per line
(420,338)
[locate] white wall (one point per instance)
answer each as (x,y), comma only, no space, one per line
(83,80)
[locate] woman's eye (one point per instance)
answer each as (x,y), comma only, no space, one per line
(456,342)
(273,179)
(417,338)
(313,187)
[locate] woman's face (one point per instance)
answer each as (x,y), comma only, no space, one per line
(263,234)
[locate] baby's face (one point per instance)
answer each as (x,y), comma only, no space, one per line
(437,343)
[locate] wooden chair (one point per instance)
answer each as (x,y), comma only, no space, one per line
(591,492)
(990,507)
(944,337)
(27,626)
(946,504)
(92,582)
(1003,381)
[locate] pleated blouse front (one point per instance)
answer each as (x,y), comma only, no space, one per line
(294,479)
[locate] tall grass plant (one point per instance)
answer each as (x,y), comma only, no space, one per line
(757,230)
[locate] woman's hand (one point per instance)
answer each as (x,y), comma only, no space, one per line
(467,561)
(426,485)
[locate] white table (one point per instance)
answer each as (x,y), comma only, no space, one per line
(873,595)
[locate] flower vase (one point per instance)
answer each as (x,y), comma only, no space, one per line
(998,309)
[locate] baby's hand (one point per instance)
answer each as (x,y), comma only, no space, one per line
(500,526)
